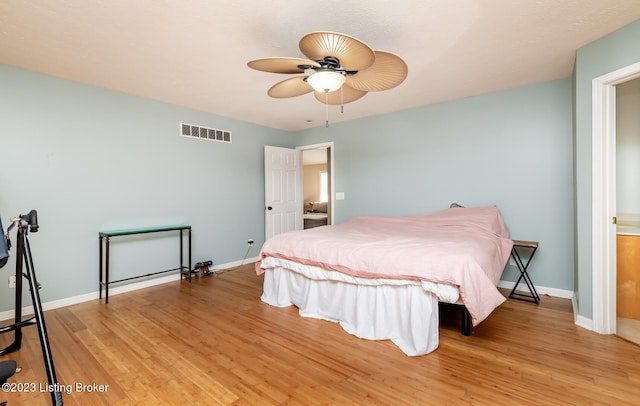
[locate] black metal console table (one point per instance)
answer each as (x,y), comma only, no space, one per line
(106,236)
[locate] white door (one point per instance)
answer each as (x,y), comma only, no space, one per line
(282,190)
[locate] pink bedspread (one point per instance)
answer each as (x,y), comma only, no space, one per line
(464,247)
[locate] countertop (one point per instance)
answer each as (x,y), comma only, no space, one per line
(315,216)
(628,230)
(628,224)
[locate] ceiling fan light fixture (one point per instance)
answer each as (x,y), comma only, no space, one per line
(326,81)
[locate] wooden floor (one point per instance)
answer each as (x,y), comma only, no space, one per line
(214,342)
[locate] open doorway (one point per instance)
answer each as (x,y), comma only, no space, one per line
(603,192)
(317,185)
(628,210)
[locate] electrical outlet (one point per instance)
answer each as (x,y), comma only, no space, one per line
(250,242)
(12,282)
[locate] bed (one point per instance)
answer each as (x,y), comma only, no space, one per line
(382,277)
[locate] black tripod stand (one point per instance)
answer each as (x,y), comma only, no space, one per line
(24,224)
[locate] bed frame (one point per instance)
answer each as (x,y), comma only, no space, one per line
(465,317)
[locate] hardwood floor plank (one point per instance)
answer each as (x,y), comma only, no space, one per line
(214,342)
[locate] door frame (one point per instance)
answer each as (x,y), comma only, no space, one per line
(330,167)
(603,196)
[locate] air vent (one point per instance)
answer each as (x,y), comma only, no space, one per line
(212,134)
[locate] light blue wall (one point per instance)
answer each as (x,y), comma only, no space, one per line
(90,159)
(614,51)
(512,149)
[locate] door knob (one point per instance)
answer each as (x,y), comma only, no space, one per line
(269,208)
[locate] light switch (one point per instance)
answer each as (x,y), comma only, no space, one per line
(339,195)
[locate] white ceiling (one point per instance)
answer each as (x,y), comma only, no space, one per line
(194,53)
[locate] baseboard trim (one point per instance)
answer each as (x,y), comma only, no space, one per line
(542,290)
(579,320)
(55,304)
(561,293)
(233,264)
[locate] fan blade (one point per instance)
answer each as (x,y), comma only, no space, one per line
(343,95)
(352,53)
(387,72)
(290,88)
(282,65)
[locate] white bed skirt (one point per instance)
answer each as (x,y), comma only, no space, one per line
(406,314)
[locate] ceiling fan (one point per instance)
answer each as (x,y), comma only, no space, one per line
(340,69)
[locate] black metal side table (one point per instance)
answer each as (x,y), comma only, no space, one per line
(522,267)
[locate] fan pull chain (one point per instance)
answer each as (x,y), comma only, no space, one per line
(326,106)
(341,100)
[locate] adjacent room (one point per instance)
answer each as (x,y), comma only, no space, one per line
(137,189)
